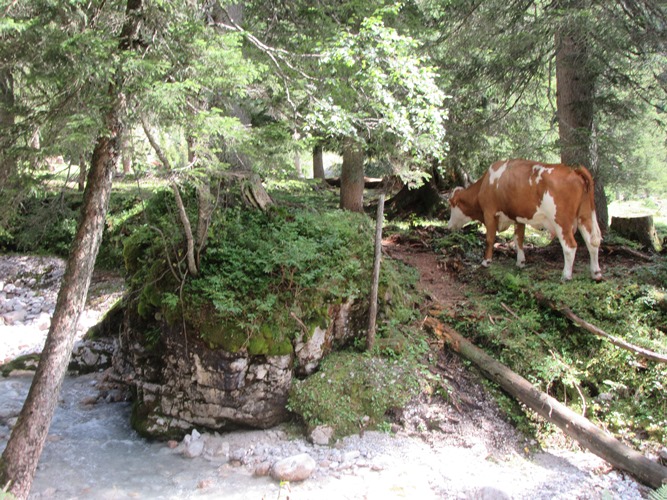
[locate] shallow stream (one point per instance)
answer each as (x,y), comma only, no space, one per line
(92,452)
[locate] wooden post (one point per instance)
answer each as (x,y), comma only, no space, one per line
(574,425)
(372,314)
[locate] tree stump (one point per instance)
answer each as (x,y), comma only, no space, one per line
(640,229)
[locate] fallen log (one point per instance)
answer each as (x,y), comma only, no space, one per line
(577,427)
(627,250)
(582,323)
(369,182)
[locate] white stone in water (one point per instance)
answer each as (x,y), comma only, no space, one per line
(14,317)
(294,468)
(193,445)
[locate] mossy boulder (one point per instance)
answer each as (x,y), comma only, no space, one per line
(276,292)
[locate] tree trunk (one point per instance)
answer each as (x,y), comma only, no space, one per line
(126,153)
(424,200)
(352,177)
(617,341)
(375,283)
(7,120)
(573,424)
(640,229)
(20,458)
(82,172)
(237,159)
(318,162)
(575,92)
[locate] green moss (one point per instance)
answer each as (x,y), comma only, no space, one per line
(27,362)
(269,343)
(139,420)
(351,388)
(223,336)
(149,300)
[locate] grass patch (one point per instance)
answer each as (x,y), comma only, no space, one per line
(617,390)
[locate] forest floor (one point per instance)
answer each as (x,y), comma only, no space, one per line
(462,447)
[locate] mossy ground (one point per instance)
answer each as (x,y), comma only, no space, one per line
(615,388)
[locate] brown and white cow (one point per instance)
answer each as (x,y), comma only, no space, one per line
(546,196)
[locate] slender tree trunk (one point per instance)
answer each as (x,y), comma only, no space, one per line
(126,154)
(375,283)
(192,262)
(19,460)
(352,177)
(237,159)
(83,167)
(575,92)
(318,162)
(7,120)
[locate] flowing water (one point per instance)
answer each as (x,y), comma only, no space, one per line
(92,452)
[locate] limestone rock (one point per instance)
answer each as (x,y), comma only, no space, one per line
(294,468)
(181,382)
(321,435)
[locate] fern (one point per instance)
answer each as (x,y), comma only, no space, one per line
(659,494)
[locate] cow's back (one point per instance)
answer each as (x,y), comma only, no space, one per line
(525,190)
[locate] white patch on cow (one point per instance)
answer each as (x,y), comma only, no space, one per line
(545,215)
(593,240)
(495,175)
(486,263)
(568,254)
(504,222)
(538,170)
(457,219)
(457,188)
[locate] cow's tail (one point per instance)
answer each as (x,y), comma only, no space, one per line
(587,207)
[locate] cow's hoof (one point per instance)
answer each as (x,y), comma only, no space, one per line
(566,278)
(521,264)
(597,277)
(486,263)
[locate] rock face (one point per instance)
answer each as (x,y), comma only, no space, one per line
(180,383)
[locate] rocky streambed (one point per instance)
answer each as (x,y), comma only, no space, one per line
(436,450)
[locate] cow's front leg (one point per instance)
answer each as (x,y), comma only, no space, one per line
(519,233)
(491,224)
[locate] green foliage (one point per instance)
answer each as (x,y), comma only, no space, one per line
(263,275)
(259,267)
(47,224)
(351,386)
(377,89)
(659,494)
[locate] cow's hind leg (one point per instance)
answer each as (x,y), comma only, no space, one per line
(590,232)
(491,224)
(519,233)
(569,244)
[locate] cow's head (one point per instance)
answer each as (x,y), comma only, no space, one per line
(458,217)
